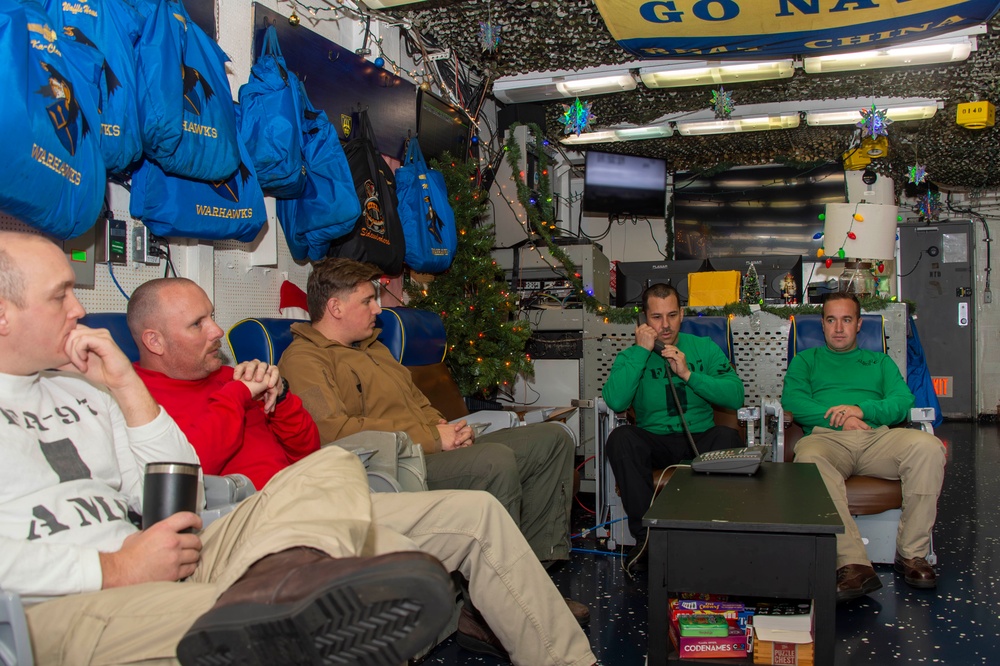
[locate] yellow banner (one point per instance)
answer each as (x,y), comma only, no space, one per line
(632,19)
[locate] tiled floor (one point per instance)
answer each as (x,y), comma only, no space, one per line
(957,624)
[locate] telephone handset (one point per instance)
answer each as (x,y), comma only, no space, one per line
(658,346)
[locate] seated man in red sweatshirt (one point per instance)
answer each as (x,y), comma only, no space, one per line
(243,420)
(240,420)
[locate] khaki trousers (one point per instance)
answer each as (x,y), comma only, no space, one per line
(913,456)
(529,469)
(323,502)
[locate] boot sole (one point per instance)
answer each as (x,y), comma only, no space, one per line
(380,616)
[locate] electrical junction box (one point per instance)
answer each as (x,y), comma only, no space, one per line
(976,115)
(112,244)
(141,242)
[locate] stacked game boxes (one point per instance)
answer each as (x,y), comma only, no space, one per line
(710,628)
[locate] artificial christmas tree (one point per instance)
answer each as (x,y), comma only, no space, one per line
(485,340)
(751,293)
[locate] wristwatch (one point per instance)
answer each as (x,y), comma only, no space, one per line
(283,393)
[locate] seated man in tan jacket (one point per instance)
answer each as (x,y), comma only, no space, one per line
(350,382)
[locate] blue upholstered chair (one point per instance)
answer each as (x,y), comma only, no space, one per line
(807,331)
(415,337)
(115,323)
(718,329)
(261,338)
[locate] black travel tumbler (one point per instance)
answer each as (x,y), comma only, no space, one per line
(169,487)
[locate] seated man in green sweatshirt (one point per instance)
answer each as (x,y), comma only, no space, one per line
(701,375)
(846,398)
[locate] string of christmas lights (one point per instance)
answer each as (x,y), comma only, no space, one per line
(540,220)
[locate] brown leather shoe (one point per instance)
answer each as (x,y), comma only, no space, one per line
(579,611)
(476,636)
(917,572)
(856,580)
(301,606)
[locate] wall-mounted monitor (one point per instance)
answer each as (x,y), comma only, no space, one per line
(624,185)
(633,277)
(771,271)
(441,128)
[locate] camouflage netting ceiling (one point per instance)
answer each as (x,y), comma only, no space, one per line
(543,35)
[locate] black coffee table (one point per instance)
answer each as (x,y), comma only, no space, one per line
(768,535)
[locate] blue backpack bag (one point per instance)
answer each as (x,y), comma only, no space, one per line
(271,120)
(171,205)
(426,214)
(109,29)
(52,174)
(185,104)
(329,207)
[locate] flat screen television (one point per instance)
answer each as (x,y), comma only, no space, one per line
(624,185)
(771,271)
(633,277)
(441,128)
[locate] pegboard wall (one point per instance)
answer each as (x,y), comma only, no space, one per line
(243,290)
(601,344)
(760,350)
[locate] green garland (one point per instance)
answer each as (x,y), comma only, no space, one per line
(541,220)
(868,304)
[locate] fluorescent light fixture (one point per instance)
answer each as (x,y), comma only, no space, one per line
(733,125)
(518,89)
(620,134)
(923,52)
(820,117)
(601,136)
(701,72)
(596,85)
(646,132)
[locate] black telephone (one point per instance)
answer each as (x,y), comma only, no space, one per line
(658,346)
(731,461)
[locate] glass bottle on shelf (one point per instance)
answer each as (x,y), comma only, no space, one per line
(857,278)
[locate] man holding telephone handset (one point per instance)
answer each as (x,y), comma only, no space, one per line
(670,379)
